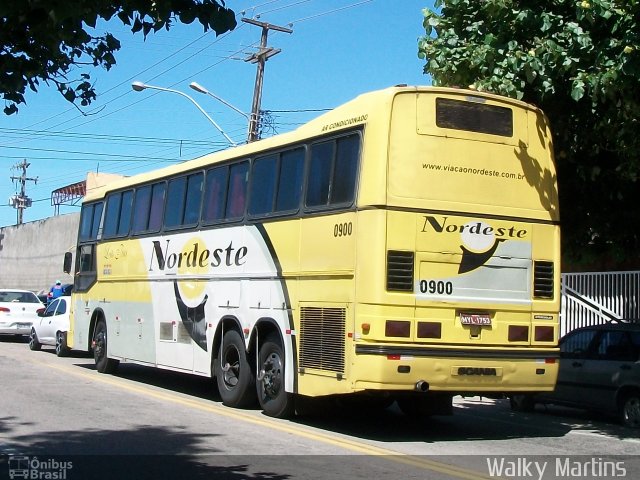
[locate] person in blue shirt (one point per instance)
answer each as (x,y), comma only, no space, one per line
(55,291)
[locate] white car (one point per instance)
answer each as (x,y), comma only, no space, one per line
(52,326)
(18,310)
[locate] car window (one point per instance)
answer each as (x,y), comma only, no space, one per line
(62,307)
(576,344)
(19,297)
(51,308)
(616,345)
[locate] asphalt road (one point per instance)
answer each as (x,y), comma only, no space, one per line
(147,423)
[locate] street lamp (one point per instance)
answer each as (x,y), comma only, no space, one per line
(199,88)
(139,86)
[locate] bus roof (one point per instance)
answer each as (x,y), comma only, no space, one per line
(349,114)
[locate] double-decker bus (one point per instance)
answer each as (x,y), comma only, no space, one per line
(403,246)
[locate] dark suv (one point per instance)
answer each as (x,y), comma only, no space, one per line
(599,370)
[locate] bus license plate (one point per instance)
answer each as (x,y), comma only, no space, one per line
(475,319)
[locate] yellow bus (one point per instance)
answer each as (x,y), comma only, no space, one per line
(401,247)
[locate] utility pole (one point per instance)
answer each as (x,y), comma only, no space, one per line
(263,54)
(21,202)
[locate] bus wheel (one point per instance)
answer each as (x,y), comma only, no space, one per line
(273,398)
(34,343)
(61,344)
(233,372)
(104,364)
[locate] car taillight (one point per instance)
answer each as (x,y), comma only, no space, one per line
(4,309)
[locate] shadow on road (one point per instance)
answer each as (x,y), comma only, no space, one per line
(473,418)
(152,452)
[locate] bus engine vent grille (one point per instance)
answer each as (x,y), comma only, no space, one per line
(543,279)
(322,338)
(399,271)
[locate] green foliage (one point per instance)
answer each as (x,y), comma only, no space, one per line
(53,41)
(578,60)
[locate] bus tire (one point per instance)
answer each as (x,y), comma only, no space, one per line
(234,376)
(104,364)
(274,399)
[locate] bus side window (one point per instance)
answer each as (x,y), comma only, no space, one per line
(344,172)
(237,190)
(86,259)
(175,198)
(319,174)
(97,216)
(125,213)
(263,180)
(215,194)
(118,214)
(184,196)
(90,221)
(332,174)
(193,199)
(290,180)
(157,206)
(86,273)
(141,209)
(111,215)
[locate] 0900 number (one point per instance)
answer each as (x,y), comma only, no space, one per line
(433,286)
(342,229)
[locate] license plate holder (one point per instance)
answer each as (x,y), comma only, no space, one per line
(481,319)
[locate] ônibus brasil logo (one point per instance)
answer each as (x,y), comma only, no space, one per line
(22,466)
(479,239)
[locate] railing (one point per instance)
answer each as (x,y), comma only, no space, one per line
(593,298)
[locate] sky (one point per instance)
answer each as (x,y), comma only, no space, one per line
(338,50)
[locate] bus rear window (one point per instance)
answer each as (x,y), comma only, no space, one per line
(474,117)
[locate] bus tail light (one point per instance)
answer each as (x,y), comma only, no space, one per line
(397,328)
(518,333)
(543,334)
(366,328)
(429,330)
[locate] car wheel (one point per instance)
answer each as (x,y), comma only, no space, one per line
(34,343)
(61,344)
(273,398)
(104,364)
(630,410)
(236,381)
(521,403)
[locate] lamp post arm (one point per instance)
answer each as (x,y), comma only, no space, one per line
(229,105)
(199,108)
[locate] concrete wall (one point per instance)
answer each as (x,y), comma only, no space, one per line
(31,254)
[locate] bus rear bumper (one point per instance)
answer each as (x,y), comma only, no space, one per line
(449,370)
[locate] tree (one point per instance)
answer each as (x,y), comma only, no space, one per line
(579,61)
(55,41)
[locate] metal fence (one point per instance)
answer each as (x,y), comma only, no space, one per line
(592,298)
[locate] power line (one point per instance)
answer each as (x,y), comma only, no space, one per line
(98,136)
